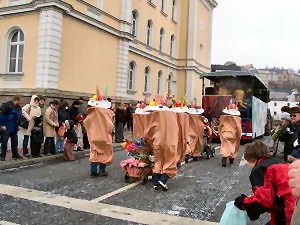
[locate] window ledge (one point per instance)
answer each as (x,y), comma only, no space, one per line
(152,4)
(174,21)
(131,92)
(11,74)
(147,94)
(164,13)
(148,47)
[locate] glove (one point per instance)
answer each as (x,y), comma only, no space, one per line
(68,140)
(239,202)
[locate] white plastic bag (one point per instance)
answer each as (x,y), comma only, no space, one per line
(233,216)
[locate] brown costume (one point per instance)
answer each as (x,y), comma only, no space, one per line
(230,130)
(99,127)
(140,124)
(162,134)
(196,128)
(183,125)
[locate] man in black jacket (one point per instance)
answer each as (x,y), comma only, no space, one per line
(73,110)
(10,116)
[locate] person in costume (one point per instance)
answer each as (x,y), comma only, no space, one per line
(78,130)
(99,126)
(230,131)
(162,135)
(71,140)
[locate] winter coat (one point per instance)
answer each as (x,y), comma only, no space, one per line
(70,134)
(43,111)
(37,136)
(121,115)
(63,115)
(272,193)
(49,123)
(73,112)
(288,135)
(10,116)
(28,111)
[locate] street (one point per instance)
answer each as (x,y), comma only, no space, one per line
(61,192)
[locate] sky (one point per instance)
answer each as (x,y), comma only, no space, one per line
(259,32)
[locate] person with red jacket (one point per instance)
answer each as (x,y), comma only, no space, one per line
(270,185)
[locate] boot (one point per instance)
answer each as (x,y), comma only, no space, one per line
(231,160)
(186,158)
(224,161)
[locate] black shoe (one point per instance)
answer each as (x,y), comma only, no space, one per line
(2,159)
(195,158)
(155,187)
(186,158)
(94,174)
(103,174)
(17,157)
(224,161)
(231,160)
(164,186)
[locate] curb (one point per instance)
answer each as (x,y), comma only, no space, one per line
(28,162)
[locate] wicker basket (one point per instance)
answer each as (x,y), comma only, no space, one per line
(137,172)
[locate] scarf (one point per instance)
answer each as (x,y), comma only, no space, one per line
(55,117)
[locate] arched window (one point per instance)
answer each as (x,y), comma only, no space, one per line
(149,32)
(16,52)
(147,80)
(163,5)
(201,54)
(173,9)
(159,82)
(172,45)
(134,23)
(161,39)
(171,83)
(131,76)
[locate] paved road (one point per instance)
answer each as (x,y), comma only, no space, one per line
(63,193)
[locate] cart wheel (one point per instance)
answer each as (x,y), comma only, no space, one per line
(145,179)
(126,178)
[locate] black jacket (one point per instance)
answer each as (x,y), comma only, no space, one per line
(71,134)
(37,136)
(73,112)
(63,115)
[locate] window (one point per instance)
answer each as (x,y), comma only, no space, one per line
(172,45)
(275,103)
(161,39)
(163,5)
(288,104)
(134,23)
(159,82)
(147,80)
(275,113)
(16,52)
(173,9)
(201,55)
(149,33)
(171,83)
(131,76)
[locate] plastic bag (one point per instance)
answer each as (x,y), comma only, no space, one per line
(233,216)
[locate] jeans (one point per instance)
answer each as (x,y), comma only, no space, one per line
(94,167)
(25,144)
(14,143)
(155,179)
(269,223)
(59,144)
(164,178)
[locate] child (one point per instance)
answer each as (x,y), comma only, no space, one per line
(270,185)
(72,139)
(78,130)
(36,138)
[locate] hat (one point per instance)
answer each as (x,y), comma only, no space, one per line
(232,112)
(76,102)
(285,116)
(79,117)
(294,110)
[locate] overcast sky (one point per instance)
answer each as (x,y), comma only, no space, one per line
(258,32)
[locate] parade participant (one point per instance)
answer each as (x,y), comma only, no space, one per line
(140,123)
(162,135)
(36,138)
(78,130)
(71,140)
(195,134)
(230,131)
(269,180)
(99,126)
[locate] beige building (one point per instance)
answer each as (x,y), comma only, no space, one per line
(136,47)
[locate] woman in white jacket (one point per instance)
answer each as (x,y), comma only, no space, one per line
(30,112)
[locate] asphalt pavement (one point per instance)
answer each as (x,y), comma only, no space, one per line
(59,192)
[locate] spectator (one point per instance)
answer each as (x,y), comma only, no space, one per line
(78,130)
(37,138)
(42,106)
(63,115)
(129,117)
(30,111)
(81,108)
(71,137)
(269,180)
(120,122)
(287,135)
(50,123)
(295,116)
(73,110)
(10,120)
(294,174)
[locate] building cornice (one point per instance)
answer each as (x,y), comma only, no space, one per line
(68,9)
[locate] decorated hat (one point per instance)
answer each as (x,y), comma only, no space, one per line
(233,112)
(195,111)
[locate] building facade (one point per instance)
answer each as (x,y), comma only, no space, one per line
(135,47)
(275,107)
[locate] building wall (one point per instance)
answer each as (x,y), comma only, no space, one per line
(275,107)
